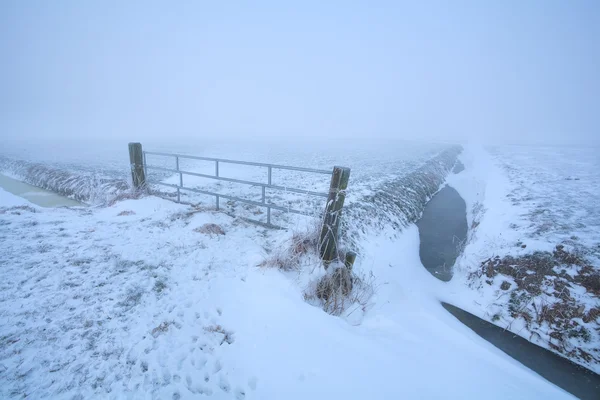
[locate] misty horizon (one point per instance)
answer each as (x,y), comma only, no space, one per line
(508,73)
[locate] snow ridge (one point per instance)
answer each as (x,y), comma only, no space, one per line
(400,201)
(92,187)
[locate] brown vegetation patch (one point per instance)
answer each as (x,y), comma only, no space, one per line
(162,328)
(341,291)
(302,244)
(127,195)
(125,213)
(589,279)
(335,284)
(544,297)
(288,258)
(210,229)
(218,329)
(592,315)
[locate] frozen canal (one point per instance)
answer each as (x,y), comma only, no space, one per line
(36,195)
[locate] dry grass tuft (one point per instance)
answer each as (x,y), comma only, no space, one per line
(302,244)
(125,213)
(218,329)
(341,291)
(336,284)
(288,257)
(336,292)
(129,195)
(162,328)
(210,229)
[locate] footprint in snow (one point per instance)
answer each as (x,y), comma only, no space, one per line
(240,394)
(224,384)
(217,367)
(199,362)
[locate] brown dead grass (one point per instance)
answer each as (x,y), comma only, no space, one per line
(160,329)
(129,195)
(125,213)
(341,291)
(218,329)
(288,257)
(337,284)
(543,296)
(210,229)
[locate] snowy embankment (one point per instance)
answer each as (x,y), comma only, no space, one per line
(398,202)
(379,174)
(91,187)
(145,298)
(533,249)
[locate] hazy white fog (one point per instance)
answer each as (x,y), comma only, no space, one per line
(507,72)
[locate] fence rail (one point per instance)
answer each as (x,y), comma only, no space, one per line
(264,186)
(333,208)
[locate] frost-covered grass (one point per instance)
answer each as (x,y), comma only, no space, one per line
(98,172)
(533,249)
(146,298)
(81,184)
(91,299)
(558,193)
(372,170)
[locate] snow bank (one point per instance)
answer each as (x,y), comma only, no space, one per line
(391,206)
(8,199)
(522,203)
(400,201)
(92,187)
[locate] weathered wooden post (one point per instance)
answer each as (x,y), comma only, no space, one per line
(333,213)
(136,160)
(349,260)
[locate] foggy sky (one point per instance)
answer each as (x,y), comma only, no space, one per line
(491,71)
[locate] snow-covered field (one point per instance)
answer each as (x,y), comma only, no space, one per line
(140,300)
(87,170)
(557,191)
(132,301)
(98,172)
(522,203)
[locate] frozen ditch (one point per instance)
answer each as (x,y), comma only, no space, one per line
(442,233)
(36,195)
(76,182)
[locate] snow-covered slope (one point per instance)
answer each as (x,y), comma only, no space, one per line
(533,249)
(135,301)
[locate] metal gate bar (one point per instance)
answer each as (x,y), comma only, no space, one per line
(264,186)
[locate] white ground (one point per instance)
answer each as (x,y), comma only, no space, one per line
(97,305)
(537,197)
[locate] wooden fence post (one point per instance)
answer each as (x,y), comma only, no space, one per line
(333,213)
(136,160)
(349,260)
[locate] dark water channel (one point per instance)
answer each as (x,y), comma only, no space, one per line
(442,229)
